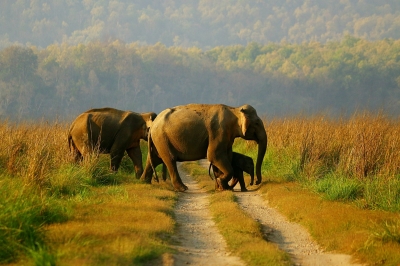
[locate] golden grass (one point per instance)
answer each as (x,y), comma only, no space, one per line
(360,146)
(33,151)
(125,224)
(117,228)
(337,226)
(129,223)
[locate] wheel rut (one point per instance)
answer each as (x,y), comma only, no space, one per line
(290,237)
(197,238)
(198,241)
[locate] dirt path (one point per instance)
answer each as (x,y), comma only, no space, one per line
(199,243)
(197,238)
(290,237)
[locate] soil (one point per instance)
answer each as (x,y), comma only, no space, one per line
(198,241)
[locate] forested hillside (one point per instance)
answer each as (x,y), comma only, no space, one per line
(62,80)
(201,23)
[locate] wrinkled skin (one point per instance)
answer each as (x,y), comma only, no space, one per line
(110,131)
(196,131)
(240,163)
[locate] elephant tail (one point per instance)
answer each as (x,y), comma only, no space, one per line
(71,144)
(209,173)
(149,142)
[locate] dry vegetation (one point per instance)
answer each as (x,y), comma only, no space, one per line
(55,211)
(355,159)
(360,147)
(58,212)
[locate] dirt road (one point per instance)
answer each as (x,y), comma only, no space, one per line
(199,243)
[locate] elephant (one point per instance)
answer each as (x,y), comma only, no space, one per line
(110,131)
(197,131)
(240,163)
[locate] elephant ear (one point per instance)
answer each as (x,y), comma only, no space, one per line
(244,121)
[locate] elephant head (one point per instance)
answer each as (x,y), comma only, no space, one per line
(252,128)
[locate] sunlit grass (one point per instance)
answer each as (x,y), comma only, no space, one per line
(346,175)
(337,178)
(117,224)
(339,226)
(55,211)
(24,212)
(242,234)
(353,159)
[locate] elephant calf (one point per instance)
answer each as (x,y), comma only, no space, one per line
(110,131)
(240,163)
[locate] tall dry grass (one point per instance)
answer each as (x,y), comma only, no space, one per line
(354,159)
(29,154)
(33,151)
(362,146)
(104,218)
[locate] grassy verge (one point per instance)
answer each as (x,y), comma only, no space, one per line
(242,234)
(55,212)
(340,179)
(126,224)
(371,236)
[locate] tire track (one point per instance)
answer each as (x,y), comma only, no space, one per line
(197,238)
(290,237)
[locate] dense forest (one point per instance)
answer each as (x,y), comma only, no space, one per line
(339,77)
(201,23)
(62,57)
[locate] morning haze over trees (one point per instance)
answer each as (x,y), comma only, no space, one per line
(59,58)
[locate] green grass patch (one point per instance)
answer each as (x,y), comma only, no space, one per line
(339,188)
(24,213)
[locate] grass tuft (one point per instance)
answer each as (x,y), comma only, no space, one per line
(337,188)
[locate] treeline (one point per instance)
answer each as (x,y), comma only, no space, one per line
(277,79)
(200,23)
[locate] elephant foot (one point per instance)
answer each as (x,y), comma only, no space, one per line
(146,180)
(181,188)
(219,185)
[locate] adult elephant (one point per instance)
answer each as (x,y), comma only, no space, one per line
(110,131)
(196,131)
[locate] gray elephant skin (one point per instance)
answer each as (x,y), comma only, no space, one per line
(240,163)
(110,131)
(196,131)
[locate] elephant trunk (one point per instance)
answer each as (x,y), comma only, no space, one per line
(262,148)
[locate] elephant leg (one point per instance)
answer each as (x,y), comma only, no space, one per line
(239,177)
(77,155)
(174,175)
(136,156)
(164,172)
(147,174)
(227,172)
(234,181)
(217,174)
(116,158)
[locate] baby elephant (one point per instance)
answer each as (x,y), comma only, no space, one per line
(240,163)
